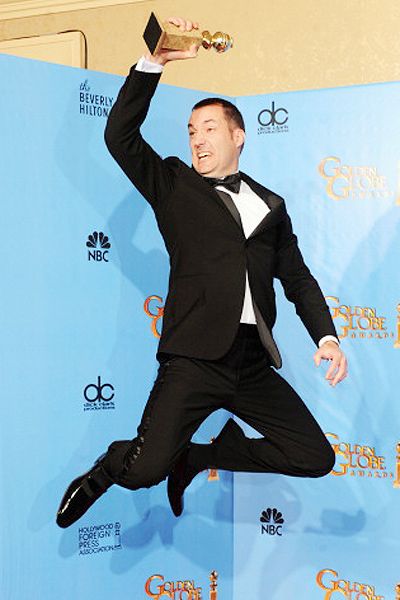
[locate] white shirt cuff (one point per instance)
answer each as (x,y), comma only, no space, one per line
(328,338)
(147,66)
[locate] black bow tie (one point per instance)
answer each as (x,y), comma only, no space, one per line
(230,182)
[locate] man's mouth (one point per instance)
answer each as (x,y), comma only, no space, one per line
(203,155)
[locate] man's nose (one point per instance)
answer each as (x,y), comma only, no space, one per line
(198,140)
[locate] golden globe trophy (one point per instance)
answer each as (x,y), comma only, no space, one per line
(165,35)
(213,585)
(396,483)
(397,342)
(398,591)
(212,473)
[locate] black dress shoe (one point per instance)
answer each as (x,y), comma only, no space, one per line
(178,480)
(183,474)
(82,493)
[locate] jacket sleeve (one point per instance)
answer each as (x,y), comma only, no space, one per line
(300,286)
(149,173)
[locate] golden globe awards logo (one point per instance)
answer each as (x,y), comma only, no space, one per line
(157,588)
(334,587)
(360,322)
(357,460)
(154,309)
(344,182)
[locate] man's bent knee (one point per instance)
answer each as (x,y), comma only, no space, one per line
(324,463)
(142,476)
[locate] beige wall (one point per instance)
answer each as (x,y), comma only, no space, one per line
(279,45)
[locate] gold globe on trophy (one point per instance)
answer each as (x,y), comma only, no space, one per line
(167,36)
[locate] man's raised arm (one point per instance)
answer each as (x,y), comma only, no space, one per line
(149,173)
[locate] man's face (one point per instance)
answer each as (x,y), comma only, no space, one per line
(215,143)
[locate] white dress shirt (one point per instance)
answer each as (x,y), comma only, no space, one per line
(252,210)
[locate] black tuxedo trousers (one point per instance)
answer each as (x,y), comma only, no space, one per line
(187,390)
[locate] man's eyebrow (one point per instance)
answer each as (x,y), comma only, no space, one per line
(206,121)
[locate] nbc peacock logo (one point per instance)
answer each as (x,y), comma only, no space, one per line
(271,521)
(98,244)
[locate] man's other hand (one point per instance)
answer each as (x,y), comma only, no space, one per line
(338,368)
(164,56)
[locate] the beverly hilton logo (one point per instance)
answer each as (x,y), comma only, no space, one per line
(92,104)
(156,587)
(357,460)
(329,581)
(154,309)
(362,322)
(352,182)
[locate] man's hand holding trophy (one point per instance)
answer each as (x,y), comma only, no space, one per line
(178,38)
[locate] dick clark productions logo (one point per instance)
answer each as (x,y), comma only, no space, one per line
(271,521)
(99,396)
(98,244)
(273,120)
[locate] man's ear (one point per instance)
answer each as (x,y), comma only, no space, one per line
(239,137)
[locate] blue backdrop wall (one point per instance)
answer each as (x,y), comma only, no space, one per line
(78,349)
(84,277)
(333,155)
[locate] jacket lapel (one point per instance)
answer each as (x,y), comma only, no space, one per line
(231,206)
(275,204)
(223,199)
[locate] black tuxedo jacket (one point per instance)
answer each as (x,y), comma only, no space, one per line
(208,251)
